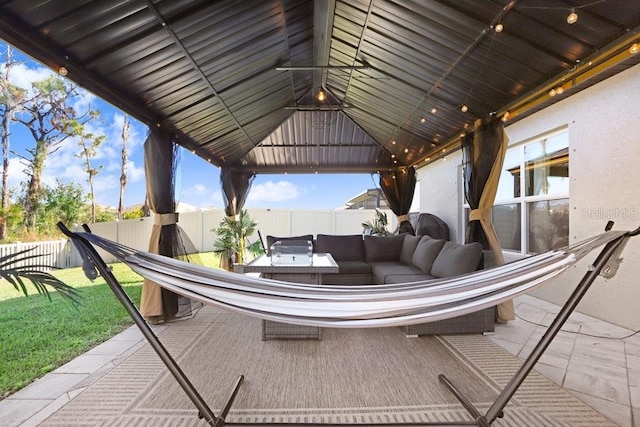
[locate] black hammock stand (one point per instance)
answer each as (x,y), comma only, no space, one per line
(603,261)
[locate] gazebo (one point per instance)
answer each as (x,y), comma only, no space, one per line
(326,86)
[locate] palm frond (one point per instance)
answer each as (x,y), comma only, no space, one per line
(14,268)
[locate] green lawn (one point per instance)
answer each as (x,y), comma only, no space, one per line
(38,335)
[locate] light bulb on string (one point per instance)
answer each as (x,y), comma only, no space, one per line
(635,48)
(464,108)
(498,28)
(573,17)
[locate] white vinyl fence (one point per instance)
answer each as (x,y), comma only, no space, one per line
(198,227)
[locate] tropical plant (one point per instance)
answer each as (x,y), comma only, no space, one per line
(233,244)
(377,227)
(14,269)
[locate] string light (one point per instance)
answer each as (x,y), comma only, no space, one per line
(423,119)
(573,17)
(434,110)
(321,96)
(498,28)
(63,71)
(635,48)
(464,108)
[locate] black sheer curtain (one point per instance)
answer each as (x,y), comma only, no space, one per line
(398,186)
(158,304)
(235,188)
(483,157)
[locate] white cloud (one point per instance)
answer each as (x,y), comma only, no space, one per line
(23,76)
(273,192)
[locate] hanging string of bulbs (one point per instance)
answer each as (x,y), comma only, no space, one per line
(498,26)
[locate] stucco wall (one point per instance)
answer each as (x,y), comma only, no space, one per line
(439,191)
(604,168)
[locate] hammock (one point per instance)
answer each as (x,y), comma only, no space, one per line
(357,306)
(352,306)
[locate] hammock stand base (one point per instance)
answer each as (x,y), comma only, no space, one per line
(87,250)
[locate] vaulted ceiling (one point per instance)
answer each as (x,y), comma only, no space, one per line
(236,81)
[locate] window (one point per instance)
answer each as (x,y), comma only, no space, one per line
(531,210)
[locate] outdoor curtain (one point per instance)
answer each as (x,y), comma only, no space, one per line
(156,303)
(235,189)
(398,186)
(483,157)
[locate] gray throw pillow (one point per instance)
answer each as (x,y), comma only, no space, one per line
(454,259)
(408,248)
(426,252)
(383,248)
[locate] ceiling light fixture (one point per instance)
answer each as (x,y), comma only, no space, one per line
(572,18)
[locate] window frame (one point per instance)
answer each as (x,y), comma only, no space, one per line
(523,200)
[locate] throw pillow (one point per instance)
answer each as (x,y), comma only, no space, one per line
(454,259)
(408,248)
(383,248)
(426,252)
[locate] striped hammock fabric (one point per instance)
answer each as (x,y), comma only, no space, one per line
(353,306)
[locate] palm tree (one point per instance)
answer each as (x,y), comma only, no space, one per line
(233,244)
(14,270)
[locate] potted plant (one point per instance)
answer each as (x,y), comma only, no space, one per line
(233,243)
(377,227)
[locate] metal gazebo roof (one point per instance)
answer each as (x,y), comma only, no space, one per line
(236,81)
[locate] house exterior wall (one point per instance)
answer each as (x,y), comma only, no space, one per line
(604,168)
(440,192)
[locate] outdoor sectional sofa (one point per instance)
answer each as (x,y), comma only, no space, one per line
(400,259)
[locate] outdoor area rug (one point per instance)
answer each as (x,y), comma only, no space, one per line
(351,376)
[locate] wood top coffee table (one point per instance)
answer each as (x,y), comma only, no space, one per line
(295,272)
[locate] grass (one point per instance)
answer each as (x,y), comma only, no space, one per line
(38,335)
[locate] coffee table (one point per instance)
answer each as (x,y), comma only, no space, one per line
(321,263)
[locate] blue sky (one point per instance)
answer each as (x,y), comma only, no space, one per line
(197,183)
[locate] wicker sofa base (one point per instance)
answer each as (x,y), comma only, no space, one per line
(472,323)
(272,330)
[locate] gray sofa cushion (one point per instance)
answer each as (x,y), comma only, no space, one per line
(426,253)
(383,248)
(342,247)
(454,259)
(381,270)
(401,278)
(354,267)
(408,248)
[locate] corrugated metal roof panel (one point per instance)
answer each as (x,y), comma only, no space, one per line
(206,70)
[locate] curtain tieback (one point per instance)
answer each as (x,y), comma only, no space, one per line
(165,218)
(403,218)
(479,214)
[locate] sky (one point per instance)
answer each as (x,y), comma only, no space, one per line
(197,181)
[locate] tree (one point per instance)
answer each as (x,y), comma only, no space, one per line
(11,98)
(89,144)
(51,120)
(123,174)
(232,244)
(64,202)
